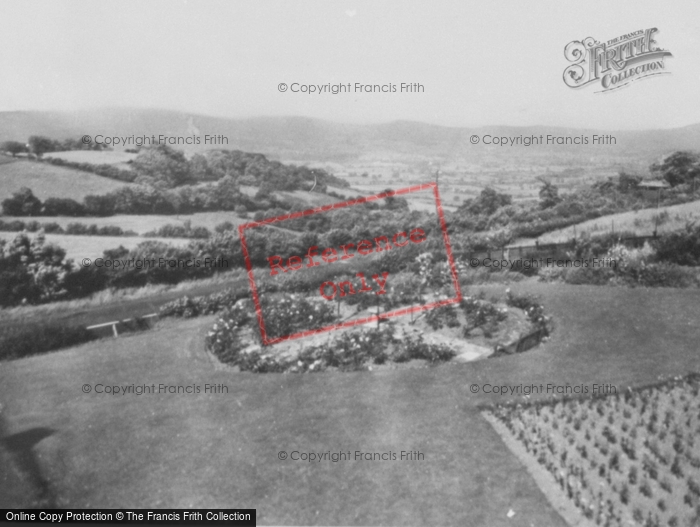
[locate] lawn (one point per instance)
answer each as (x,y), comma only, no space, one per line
(220,450)
(49,181)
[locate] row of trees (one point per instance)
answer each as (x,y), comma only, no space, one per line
(39,145)
(223,195)
(164,167)
(496,213)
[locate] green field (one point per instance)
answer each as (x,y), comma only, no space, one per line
(118,158)
(221,450)
(641,222)
(141,223)
(49,181)
(79,247)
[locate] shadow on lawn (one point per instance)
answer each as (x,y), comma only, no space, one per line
(20,446)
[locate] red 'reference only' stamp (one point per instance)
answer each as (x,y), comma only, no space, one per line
(355,252)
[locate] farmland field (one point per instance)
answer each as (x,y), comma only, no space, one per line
(79,247)
(640,222)
(140,223)
(49,181)
(105,450)
(120,159)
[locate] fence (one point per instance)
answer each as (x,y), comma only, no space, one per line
(545,250)
(129,325)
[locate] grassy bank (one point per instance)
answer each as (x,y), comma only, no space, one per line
(217,450)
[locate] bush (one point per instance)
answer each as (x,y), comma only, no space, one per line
(290,313)
(634,267)
(347,351)
(415,347)
(532,307)
(481,313)
(442,316)
(187,307)
(22,203)
(32,339)
(682,248)
(223,340)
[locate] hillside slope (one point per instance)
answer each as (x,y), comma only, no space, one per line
(305,138)
(49,181)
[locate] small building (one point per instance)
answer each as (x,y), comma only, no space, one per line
(652,188)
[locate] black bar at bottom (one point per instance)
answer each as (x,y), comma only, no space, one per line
(238,517)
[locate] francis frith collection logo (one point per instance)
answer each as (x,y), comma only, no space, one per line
(615,63)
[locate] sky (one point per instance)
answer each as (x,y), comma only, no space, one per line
(480,63)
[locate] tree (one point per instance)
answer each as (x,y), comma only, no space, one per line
(394,203)
(31,270)
(22,203)
(39,145)
(678,168)
(627,182)
(488,202)
(13,147)
(199,168)
(63,207)
(226,226)
(549,195)
(164,164)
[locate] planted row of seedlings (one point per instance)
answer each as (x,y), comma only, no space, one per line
(625,459)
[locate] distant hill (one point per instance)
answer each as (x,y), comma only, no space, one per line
(290,138)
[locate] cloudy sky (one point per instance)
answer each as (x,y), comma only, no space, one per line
(481,63)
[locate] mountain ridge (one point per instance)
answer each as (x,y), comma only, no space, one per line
(306,137)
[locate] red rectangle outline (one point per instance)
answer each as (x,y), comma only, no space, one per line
(342,204)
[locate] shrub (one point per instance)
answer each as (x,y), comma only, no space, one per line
(187,307)
(682,248)
(290,313)
(223,340)
(481,313)
(227,226)
(31,339)
(22,203)
(415,347)
(442,316)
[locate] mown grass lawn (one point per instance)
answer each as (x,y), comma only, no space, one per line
(221,450)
